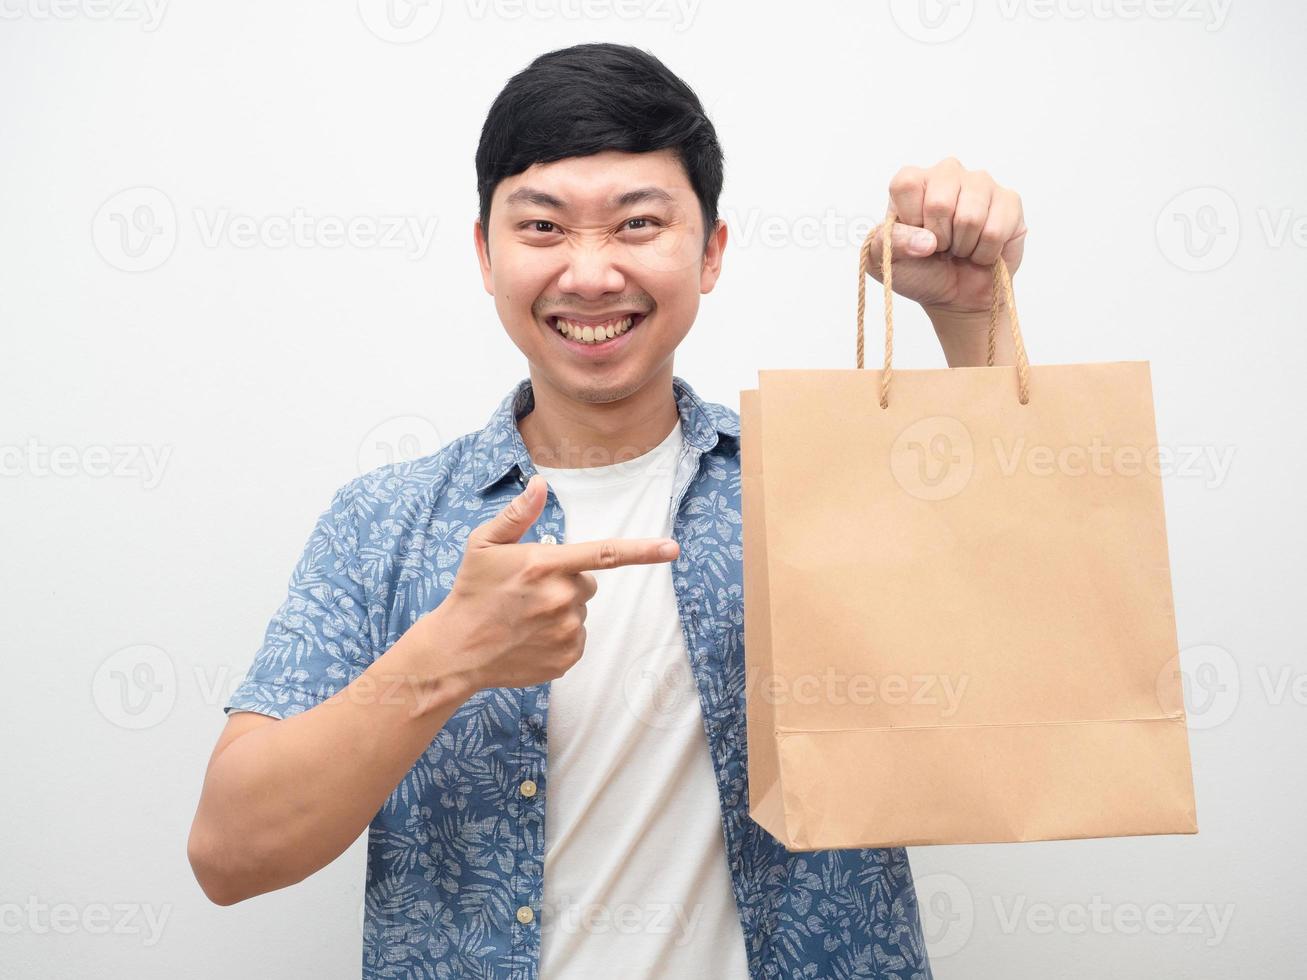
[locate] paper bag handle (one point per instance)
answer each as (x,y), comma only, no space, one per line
(1002,287)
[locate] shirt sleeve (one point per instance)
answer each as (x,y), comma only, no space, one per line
(318,641)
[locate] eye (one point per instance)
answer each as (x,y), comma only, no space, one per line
(542,226)
(641,224)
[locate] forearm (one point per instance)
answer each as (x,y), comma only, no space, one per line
(284,800)
(964,338)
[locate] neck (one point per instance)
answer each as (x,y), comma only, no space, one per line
(562,431)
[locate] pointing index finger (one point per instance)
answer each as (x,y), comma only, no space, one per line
(585,556)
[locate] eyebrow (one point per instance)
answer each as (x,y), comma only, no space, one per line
(529,195)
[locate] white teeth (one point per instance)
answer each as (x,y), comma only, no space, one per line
(590,334)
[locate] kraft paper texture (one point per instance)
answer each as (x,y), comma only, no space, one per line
(959,625)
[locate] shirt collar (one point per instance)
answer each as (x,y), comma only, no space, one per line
(498,447)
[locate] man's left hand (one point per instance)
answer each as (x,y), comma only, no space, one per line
(952,225)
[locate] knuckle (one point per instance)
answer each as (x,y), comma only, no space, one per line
(906,179)
(534,567)
(570,646)
(937,207)
(608,555)
(970,220)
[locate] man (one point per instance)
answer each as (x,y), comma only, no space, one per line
(530,691)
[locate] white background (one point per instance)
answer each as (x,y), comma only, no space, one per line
(263,376)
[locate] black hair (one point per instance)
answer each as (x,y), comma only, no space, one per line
(588,98)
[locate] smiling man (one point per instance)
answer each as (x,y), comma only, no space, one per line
(518,663)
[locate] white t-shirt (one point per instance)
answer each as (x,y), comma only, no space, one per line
(636,882)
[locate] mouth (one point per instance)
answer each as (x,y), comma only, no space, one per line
(595,332)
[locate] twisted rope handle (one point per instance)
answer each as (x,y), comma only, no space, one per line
(1002,292)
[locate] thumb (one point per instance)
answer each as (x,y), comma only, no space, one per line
(911,248)
(508,526)
(906,241)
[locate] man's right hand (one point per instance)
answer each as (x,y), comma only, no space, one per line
(515,615)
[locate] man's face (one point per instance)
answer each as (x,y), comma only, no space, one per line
(588,246)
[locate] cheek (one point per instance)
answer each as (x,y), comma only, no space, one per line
(677,290)
(521,276)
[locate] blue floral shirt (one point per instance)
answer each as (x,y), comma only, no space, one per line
(456,854)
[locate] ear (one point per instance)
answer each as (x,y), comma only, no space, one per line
(483,255)
(712,258)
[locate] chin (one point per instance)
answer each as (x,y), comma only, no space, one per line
(598,388)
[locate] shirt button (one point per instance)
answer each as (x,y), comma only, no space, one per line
(525,915)
(528,787)
(548,539)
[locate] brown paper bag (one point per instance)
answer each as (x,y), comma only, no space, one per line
(958,616)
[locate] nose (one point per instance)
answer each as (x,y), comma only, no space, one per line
(590,272)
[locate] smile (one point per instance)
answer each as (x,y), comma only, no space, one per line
(595,332)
